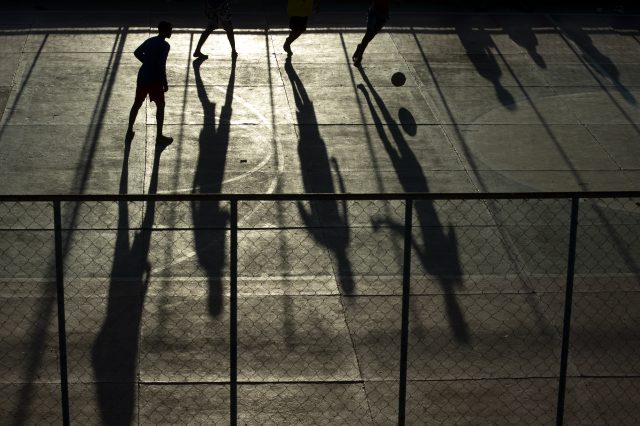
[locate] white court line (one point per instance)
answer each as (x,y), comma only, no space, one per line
(272,186)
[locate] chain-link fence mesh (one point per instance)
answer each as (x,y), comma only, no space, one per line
(605,326)
(319,319)
(29,375)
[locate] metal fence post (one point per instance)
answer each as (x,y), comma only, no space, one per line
(233,308)
(568,301)
(62,333)
(406,286)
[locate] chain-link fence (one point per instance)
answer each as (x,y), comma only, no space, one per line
(320,309)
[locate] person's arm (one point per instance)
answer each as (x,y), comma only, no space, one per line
(164,68)
(139,52)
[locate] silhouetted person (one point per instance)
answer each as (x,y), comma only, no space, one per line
(316,178)
(299,11)
(219,13)
(439,254)
(152,79)
(210,218)
(378,16)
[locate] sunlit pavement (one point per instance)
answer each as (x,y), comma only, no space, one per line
(492,103)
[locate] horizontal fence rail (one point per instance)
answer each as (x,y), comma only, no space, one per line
(404,308)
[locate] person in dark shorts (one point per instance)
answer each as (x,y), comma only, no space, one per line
(152,79)
(219,13)
(299,11)
(377,18)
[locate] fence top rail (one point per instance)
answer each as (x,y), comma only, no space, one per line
(314,197)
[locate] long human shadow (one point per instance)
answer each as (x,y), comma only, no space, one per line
(523,35)
(439,251)
(114,354)
(315,168)
(597,60)
(210,219)
(477,44)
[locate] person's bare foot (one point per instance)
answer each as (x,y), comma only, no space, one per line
(200,55)
(357,56)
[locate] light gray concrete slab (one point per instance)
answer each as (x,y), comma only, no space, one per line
(114,40)
(499,105)
(26,254)
(250,45)
(217,158)
(216,71)
(395,146)
(550,181)
(48,105)
(479,74)
(530,147)
(251,105)
(28,340)
(621,142)
(616,400)
(506,336)
(53,158)
(71,17)
(335,105)
(12,39)
(458,34)
(603,340)
(363,181)
(86,70)
(294,404)
(334,47)
(536,34)
(182,342)
(608,248)
(170,404)
(96,403)
(43,404)
(596,106)
(308,341)
(8,68)
(260,253)
(486,401)
(445,341)
(4,96)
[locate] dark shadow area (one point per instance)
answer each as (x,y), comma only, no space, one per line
(115,352)
(326,220)
(47,306)
(477,43)
(439,255)
(597,60)
(210,220)
(522,34)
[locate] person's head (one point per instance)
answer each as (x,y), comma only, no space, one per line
(164,29)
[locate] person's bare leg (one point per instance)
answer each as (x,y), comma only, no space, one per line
(132,118)
(366,39)
(203,37)
(228,28)
(160,137)
(293,35)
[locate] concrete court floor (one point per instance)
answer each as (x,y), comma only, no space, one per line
(493,102)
